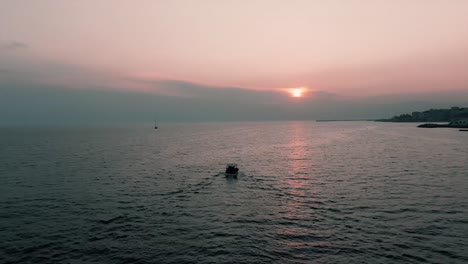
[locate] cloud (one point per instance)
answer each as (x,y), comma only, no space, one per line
(186,89)
(19,68)
(36,104)
(13,45)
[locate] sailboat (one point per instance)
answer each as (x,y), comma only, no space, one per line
(155,125)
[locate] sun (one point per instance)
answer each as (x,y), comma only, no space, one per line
(296,92)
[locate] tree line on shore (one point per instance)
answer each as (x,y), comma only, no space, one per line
(432,115)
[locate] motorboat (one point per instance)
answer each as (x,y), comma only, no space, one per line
(231,170)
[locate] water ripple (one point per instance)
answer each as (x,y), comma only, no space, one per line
(357,192)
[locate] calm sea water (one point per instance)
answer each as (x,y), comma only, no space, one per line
(308,192)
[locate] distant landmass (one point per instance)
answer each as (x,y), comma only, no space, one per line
(432,115)
(342,120)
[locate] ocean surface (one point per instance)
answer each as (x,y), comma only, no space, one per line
(308,192)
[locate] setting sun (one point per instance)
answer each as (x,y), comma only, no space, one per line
(296,92)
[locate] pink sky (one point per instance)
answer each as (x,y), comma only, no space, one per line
(353,47)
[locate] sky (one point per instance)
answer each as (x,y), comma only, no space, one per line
(200,60)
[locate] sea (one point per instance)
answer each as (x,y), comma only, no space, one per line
(307,192)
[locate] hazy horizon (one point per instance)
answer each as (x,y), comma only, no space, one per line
(33,105)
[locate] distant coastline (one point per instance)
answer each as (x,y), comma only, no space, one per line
(432,115)
(343,120)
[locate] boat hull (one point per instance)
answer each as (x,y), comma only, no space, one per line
(231,175)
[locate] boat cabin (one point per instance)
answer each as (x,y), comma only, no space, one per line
(231,168)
